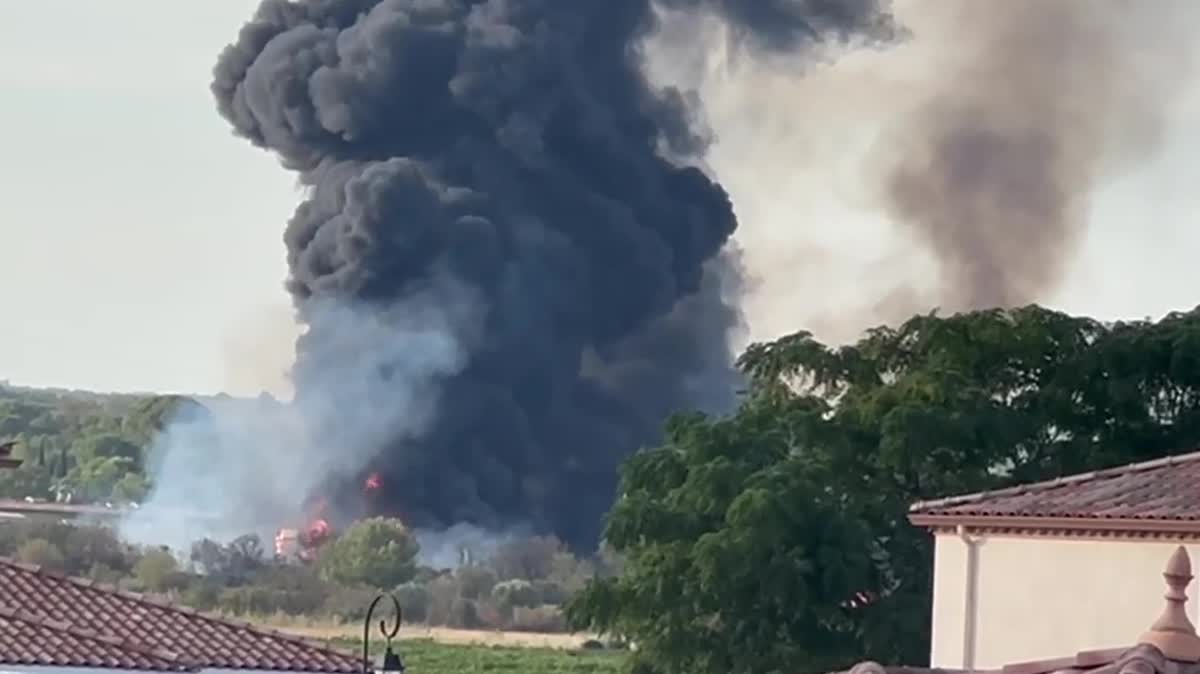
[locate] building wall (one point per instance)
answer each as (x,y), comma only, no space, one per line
(1047,597)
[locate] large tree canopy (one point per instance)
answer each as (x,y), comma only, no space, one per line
(776,539)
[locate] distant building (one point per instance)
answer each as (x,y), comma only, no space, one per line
(41,509)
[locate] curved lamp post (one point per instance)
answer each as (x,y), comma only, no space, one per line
(391,662)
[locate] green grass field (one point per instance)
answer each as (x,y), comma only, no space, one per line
(427,657)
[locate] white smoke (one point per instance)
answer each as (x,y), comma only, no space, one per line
(250,465)
(463,544)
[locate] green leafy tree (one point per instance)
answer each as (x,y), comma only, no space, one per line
(776,539)
(474,581)
(86,546)
(414,601)
(531,558)
(234,563)
(106,446)
(28,481)
(209,557)
(512,593)
(379,552)
(132,488)
(98,478)
(157,570)
(43,553)
(66,433)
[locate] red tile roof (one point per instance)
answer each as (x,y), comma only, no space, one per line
(28,640)
(1163,490)
(69,606)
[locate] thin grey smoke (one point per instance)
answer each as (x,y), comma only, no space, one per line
(995,166)
(958,168)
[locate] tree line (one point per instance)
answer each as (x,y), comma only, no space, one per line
(80,446)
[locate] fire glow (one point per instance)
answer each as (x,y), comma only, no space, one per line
(374,481)
(303,544)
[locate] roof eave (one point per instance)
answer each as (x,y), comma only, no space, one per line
(1066,524)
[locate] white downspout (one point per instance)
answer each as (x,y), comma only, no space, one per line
(971,597)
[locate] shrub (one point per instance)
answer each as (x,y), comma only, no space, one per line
(475,582)
(550,592)
(513,593)
(490,615)
(202,595)
(441,592)
(41,552)
(105,574)
(297,589)
(247,600)
(378,552)
(276,590)
(350,603)
(157,571)
(85,546)
(526,558)
(426,574)
(464,614)
(414,601)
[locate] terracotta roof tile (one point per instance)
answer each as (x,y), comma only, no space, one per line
(196,639)
(28,640)
(1160,490)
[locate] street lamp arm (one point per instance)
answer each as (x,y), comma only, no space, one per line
(386,631)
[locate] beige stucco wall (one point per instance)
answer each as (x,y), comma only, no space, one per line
(1046,597)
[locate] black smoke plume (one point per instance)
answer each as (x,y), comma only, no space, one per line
(510,152)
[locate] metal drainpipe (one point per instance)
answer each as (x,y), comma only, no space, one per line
(971,599)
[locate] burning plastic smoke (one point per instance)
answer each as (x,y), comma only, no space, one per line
(506,284)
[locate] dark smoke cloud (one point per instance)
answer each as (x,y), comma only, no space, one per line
(1034,101)
(513,148)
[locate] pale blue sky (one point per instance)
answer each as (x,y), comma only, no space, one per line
(141,242)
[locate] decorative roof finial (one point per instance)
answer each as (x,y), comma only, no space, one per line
(1173,633)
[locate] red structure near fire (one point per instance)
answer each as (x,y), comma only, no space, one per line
(303,543)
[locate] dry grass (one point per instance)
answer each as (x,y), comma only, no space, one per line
(326,630)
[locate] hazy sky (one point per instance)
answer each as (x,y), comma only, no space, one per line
(139,236)
(142,244)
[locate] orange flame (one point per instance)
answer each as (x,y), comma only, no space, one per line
(374,481)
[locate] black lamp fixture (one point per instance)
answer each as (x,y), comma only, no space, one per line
(391,662)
